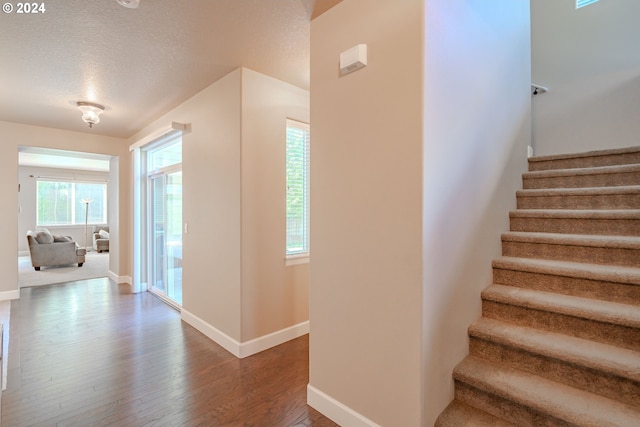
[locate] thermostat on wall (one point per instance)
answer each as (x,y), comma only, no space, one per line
(353,59)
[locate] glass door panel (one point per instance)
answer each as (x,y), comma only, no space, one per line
(173,224)
(165,234)
(156,233)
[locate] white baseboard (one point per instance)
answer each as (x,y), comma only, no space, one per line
(23,253)
(334,410)
(9,295)
(273,339)
(245,349)
(119,279)
(214,334)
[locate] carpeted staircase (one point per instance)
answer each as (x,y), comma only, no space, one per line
(558,343)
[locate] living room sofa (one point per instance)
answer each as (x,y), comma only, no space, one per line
(49,250)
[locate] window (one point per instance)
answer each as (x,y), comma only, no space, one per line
(582,3)
(167,154)
(64,203)
(297,203)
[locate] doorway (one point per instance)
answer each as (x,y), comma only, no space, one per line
(76,176)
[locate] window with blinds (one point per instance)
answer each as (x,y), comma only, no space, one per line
(297,200)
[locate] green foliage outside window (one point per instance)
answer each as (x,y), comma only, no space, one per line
(63,203)
(297,196)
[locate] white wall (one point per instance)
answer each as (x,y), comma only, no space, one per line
(211,202)
(477,128)
(274,296)
(13,135)
(366,203)
(236,287)
(415,163)
(590,60)
(117,221)
(27,203)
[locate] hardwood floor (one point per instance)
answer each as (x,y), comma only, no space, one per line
(90,353)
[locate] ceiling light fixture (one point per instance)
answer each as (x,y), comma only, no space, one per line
(131,4)
(90,112)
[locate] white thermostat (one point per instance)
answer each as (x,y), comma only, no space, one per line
(353,59)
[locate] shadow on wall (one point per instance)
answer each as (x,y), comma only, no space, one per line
(584,115)
(463,237)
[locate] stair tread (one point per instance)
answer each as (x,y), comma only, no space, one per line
(599,356)
(577,213)
(620,274)
(459,414)
(586,191)
(595,170)
(594,240)
(549,397)
(593,153)
(573,181)
(586,308)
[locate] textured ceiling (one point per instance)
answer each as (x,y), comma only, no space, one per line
(142,62)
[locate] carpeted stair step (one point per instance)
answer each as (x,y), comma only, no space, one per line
(621,222)
(601,321)
(605,282)
(618,156)
(529,400)
(623,197)
(458,414)
(609,250)
(558,343)
(598,368)
(602,176)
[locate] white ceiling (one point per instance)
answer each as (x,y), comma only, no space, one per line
(142,62)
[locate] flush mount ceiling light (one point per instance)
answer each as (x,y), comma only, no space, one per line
(131,4)
(90,112)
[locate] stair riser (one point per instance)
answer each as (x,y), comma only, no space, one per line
(504,408)
(598,226)
(602,383)
(605,201)
(582,181)
(458,414)
(608,333)
(594,255)
(607,291)
(492,379)
(586,162)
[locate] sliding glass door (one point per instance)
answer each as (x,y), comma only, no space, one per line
(164,223)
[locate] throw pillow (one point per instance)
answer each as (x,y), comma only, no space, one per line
(103,234)
(44,236)
(59,238)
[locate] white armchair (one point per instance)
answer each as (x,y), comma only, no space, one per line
(101,238)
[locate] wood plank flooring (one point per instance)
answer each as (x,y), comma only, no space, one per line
(91,353)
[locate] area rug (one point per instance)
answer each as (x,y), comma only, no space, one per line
(96,265)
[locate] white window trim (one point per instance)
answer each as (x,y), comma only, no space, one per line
(297,259)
